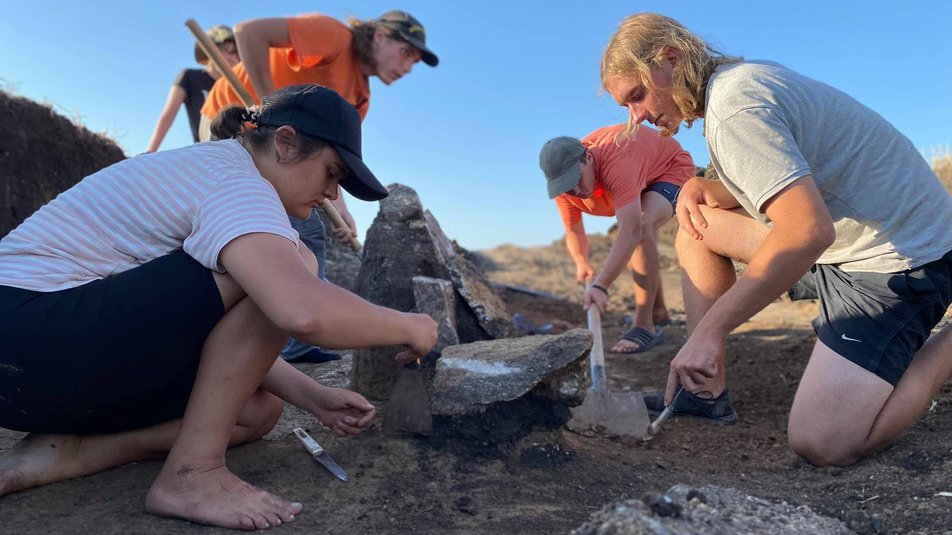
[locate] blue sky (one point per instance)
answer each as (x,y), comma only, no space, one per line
(466,135)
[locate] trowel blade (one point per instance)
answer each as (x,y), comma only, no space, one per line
(611,414)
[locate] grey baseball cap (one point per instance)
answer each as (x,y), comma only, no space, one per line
(560,160)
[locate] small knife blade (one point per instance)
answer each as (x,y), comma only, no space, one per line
(319,454)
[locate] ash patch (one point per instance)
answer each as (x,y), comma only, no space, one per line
(496,432)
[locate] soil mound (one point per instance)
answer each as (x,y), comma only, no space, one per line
(42,154)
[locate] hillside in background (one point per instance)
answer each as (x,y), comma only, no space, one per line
(43,154)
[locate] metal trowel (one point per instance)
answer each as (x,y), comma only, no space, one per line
(408,409)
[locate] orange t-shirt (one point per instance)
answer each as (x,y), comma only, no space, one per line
(623,171)
(321,52)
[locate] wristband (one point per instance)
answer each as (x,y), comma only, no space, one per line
(601,288)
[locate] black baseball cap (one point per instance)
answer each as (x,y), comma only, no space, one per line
(410,30)
(318,111)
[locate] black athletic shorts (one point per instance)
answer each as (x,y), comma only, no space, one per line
(879,320)
(111,355)
(667,190)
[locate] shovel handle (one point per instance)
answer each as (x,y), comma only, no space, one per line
(597,356)
(214,54)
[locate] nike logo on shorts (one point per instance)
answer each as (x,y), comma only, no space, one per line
(847,338)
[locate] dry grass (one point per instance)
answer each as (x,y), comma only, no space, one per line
(942,165)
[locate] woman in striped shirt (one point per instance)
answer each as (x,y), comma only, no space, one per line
(142,311)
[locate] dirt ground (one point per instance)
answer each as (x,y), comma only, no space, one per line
(551,481)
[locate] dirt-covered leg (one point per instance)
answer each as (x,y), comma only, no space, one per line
(194,483)
(645,265)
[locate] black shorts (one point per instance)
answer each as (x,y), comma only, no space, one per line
(879,320)
(111,355)
(667,190)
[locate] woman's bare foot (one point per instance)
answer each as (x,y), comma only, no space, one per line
(212,495)
(39,460)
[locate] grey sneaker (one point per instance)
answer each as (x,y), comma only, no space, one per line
(717,409)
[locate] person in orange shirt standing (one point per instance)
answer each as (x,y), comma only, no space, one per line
(637,180)
(317,49)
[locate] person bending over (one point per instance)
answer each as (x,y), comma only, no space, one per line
(317,49)
(636,180)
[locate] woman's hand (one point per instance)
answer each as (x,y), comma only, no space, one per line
(423,334)
(344,412)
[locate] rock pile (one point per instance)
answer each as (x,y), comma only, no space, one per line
(482,382)
(708,510)
(405,241)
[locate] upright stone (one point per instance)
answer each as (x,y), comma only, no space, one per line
(491,313)
(436,298)
(342,262)
(400,245)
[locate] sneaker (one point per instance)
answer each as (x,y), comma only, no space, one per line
(316,355)
(717,409)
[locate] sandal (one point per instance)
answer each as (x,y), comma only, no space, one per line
(645,338)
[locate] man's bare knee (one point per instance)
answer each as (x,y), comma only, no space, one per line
(820,452)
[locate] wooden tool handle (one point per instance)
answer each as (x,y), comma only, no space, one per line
(338,222)
(595,325)
(211,50)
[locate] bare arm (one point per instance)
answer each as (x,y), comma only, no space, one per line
(255,38)
(627,239)
(802,230)
(167,117)
(576,242)
(343,411)
(272,272)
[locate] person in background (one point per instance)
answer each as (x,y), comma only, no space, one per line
(809,180)
(317,49)
(636,180)
(187,256)
(192,86)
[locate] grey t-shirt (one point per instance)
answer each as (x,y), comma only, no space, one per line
(767,126)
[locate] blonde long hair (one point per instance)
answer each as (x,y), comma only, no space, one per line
(640,44)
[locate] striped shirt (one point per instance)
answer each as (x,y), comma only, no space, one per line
(197,198)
